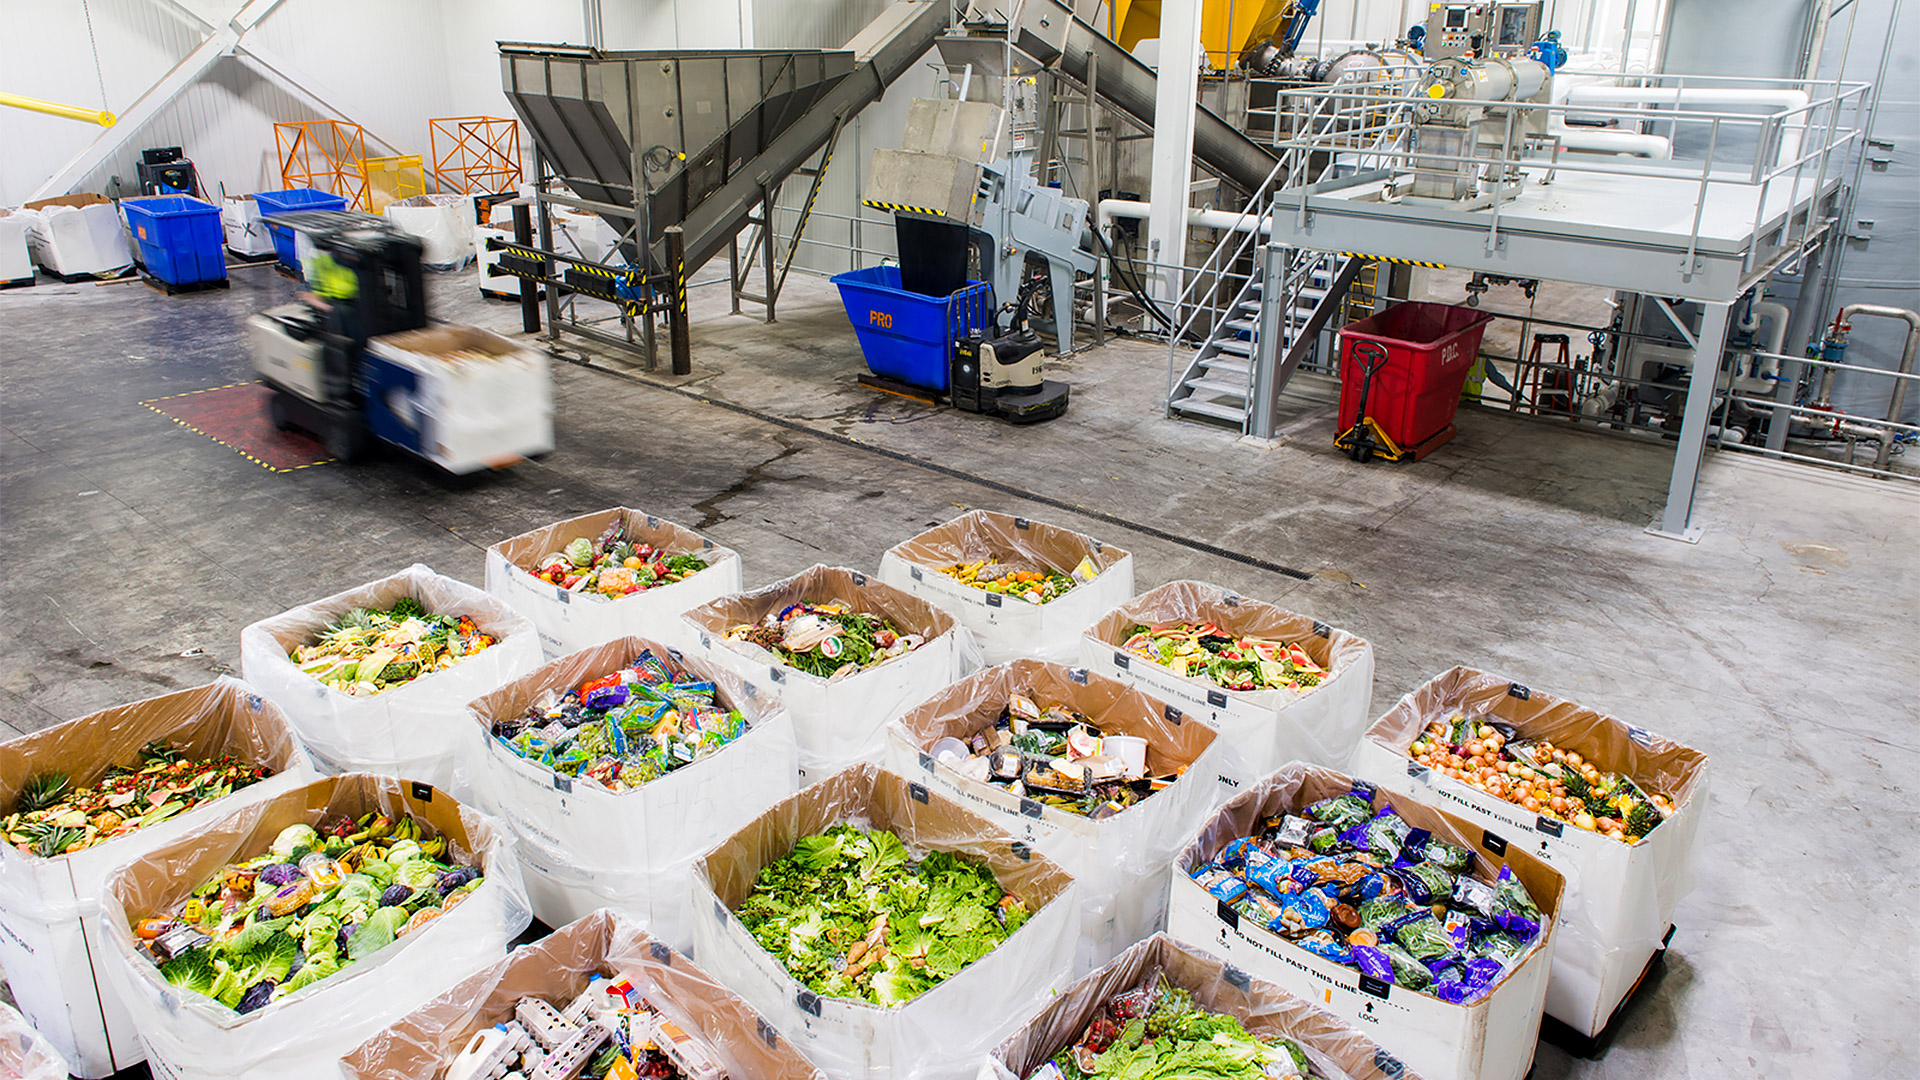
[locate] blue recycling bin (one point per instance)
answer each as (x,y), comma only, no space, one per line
(286,202)
(907,336)
(179,237)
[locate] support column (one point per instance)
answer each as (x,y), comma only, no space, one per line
(1674,522)
(529,290)
(1263,393)
(1175,98)
(680,334)
(1802,325)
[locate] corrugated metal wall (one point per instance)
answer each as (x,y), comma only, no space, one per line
(387,65)
(839,221)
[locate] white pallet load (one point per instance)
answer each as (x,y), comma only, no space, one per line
(245,231)
(301,1036)
(570,621)
(416,730)
(443,223)
(16,262)
(1334,1048)
(842,720)
(79,234)
(942,1033)
(1009,627)
(1267,728)
(585,847)
(599,954)
(50,941)
(478,400)
(1119,863)
(1491,1038)
(1618,911)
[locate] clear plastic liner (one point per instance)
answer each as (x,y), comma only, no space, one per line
(944,1031)
(192,1037)
(557,969)
(51,946)
(1336,1050)
(1008,627)
(415,730)
(1119,863)
(586,847)
(1620,897)
(568,621)
(24,1053)
(840,721)
(1266,727)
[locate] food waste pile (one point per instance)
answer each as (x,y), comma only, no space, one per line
(615,1030)
(52,817)
(1155,1031)
(1369,891)
(828,640)
(317,901)
(627,727)
(370,652)
(1057,757)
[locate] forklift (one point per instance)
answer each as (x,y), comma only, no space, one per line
(364,280)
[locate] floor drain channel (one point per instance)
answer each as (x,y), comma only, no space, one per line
(949,471)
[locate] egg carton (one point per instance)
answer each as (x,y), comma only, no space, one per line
(567,1059)
(544,1023)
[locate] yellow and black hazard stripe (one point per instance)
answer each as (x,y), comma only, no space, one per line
(198,431)
(898,208)
(1391,259)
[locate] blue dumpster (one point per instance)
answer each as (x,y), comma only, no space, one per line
(286,202)
(907,336)
(179,237)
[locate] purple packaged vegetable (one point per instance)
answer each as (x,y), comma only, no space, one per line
(1372,962)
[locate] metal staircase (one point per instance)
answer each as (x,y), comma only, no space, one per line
(1218,385)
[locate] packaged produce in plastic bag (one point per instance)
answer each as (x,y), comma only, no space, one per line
(1214,642)
(1107,781)
(1025,588)
(975,929)
(1614,807)
(617,821)
(78,799)
(24,1053)
(309,862)
(597,960)
(413,728)
(1434,932)
(1171,988)
(843,652)
(638,582)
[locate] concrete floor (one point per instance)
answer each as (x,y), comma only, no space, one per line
(1780,645)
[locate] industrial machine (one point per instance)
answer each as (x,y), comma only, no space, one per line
(964,179)
(1477,115)
(164,170)
(1480,30)
(963,190)
(354,359)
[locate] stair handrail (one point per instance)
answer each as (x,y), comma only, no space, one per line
(1210,270)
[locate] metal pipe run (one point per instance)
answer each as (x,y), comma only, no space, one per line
(1899,398)
(54,108)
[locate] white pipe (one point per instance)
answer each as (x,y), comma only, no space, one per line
(1610,141)
(1230,220)
(1689,95)
(1792,132)
(1776,315)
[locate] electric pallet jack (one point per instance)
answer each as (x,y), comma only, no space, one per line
(1000,375)
(1365,440)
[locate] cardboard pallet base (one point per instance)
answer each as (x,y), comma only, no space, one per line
(241,257)
(1563,1035)
(175,290)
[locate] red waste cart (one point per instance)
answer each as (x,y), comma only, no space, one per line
(1405,367)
